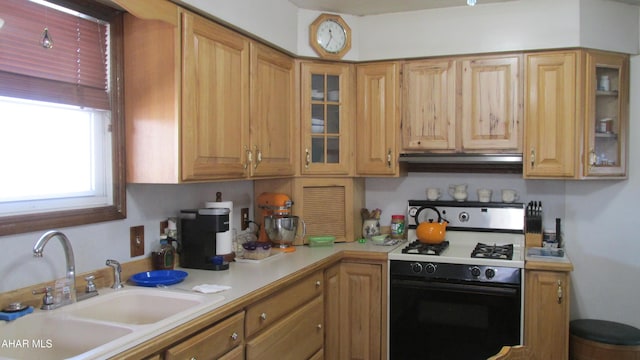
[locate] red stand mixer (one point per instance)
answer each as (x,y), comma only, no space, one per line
(277,204)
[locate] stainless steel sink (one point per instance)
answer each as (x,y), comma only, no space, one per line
(136,306)
(42,336)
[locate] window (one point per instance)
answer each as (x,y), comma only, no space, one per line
(61,126)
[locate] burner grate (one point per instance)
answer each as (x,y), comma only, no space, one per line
(416,247)
(503,252)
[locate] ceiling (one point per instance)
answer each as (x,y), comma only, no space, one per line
(372,7)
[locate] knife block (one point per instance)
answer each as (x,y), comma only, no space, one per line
(532,239)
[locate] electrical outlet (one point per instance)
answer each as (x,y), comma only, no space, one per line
(244,218)
(136,234)
(163,225)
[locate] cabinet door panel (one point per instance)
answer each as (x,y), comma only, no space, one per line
(546,329)
(215,108)
(429,105)
(550,107)
(606,115)
(327,115)
(361,320)
(491,104)
(272,112)
(377,89)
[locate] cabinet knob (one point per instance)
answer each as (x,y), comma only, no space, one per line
(193,358)
(319,326)
(559,291)
(248,156)
(307,158)
(263,316)
(234,336)
(318,283)
(258,157)
(389,158)
(533,157)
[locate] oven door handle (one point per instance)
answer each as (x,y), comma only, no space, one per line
(456,287)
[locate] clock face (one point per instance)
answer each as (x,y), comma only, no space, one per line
(331,36)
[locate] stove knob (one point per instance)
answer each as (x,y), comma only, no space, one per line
(475,271)
(430,268)
(490,273)
(416,267)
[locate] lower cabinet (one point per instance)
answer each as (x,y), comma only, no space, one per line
(300,335)
(288,324)
(354,305)
(221,341)
(546,321)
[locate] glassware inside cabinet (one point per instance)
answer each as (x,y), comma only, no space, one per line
(325,118)
(606,144)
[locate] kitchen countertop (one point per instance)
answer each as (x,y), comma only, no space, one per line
(243,278)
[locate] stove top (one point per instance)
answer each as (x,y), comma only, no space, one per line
(504,252)
(478,234)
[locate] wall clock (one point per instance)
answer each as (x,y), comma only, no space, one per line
(330,36)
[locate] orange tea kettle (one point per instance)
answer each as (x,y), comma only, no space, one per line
(432,232)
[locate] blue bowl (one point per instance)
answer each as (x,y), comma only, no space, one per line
(158,277)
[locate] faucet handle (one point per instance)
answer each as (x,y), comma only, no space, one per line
(91,286)
(47,299)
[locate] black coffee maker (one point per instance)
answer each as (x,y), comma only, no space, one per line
(198,229)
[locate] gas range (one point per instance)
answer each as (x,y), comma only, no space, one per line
(471,224)
(446,304)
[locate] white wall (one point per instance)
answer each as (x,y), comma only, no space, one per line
(603,241)
(93,244)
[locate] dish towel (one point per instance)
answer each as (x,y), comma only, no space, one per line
(210,288)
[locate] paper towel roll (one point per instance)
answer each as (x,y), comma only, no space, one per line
(224,241)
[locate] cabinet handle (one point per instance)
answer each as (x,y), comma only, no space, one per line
(263,316)
(319,326)
(559,291)
(389,158)
(307,158)
(592,158)
(318,283)
(193,358)
(258,157)
(234,336)
(533,157)
(249,157)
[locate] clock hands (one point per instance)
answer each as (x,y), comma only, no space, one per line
(330,38)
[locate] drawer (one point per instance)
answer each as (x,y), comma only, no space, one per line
(212,342)
(273,308)
(298,336)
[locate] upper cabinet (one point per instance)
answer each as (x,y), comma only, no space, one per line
(377,119)
(463,104)
(327,115)
(273,126)
(606,118)
(576,114)
(203,102)
(429,105)
(214,135)
(551,114)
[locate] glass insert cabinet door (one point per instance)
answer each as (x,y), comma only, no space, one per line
(606,115)
(325,95)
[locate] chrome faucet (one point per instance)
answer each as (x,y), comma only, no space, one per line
(68,254)
(117,269)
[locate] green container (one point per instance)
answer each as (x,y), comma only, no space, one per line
(326,240)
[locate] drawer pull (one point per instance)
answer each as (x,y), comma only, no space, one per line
(263,316)
(318,283)
(234,336)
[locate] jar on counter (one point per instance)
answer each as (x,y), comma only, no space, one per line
(397,226)
(163,258)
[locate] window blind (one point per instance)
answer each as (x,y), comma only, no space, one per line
(73,71)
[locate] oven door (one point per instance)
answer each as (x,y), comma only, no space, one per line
(432,319)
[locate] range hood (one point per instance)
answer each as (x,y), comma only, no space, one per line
(472,163)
